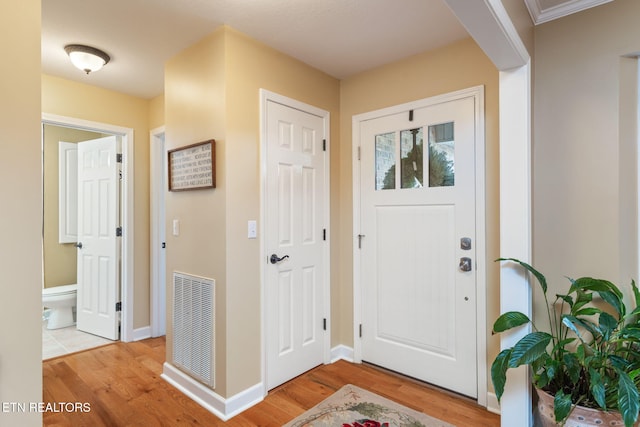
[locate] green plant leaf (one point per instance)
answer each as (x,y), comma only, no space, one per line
(582,299)
(607,291)
(636,293)
(566,298)
(607,324)
(509,320)
(596,386)
(570,321)
(618,362)
(572,367)
(529,348)
(631,330)
(588,311)
(614,301)
(561,405)
(628,398)
(499,371)
(595,285)
(539,276)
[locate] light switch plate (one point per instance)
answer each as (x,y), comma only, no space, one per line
(252,229)
(176,227)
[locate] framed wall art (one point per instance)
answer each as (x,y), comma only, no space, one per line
(192,167)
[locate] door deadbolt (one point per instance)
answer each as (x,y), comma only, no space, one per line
(465,243)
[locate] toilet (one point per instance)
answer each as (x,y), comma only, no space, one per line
(61,302)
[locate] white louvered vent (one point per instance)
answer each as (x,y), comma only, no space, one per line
(194,327)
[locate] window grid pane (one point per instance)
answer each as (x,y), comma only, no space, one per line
(386,161)
(411,164)
(441,155)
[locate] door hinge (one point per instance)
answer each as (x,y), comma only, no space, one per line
(119,232)
(360,330)
(324,324)
(119,158)
(358,153)
(360,236)
(324,145)
(164,245)
(324,234)
(119,306)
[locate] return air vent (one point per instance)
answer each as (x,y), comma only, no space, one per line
(194,327)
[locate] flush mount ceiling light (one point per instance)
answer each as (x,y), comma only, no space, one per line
(86,58)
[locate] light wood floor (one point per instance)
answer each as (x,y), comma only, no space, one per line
(122,384)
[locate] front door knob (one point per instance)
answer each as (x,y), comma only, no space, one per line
(465,264)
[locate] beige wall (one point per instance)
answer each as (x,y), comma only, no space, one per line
(584,155)
(59,259)
(20,191)
(455,67)
(194,112)
(156,112)
(82,101)
(212,91)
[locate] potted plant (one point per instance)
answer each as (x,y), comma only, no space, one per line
(590,357)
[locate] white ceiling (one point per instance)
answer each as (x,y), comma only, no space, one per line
(339,37)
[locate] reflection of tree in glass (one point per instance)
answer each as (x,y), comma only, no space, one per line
(410,177)
(441,172)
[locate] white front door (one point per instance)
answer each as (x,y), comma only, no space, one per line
(295,241)
(417,240)
(98,250)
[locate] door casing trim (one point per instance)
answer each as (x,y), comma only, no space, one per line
(127,201)
(157,289)
(265,97)
(477,93)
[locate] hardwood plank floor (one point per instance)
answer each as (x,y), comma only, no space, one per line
(121,383)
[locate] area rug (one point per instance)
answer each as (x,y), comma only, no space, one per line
(354,407)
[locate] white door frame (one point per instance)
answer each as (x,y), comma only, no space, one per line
(127,207)
(157,188)
(265,97)
(481,295)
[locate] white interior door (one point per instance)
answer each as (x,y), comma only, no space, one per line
(295,242)
(418,244)
(98,249)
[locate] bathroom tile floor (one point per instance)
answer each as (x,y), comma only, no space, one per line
(58,342)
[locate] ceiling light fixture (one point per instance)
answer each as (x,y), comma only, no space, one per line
(86,58)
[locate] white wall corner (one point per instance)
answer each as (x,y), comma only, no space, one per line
(142,333)
(222,408)
(492,403)
(342,352)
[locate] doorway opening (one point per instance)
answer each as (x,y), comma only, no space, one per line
(57,272)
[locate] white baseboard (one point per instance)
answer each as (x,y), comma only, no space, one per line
(142,333)
(341,352)
(492,403)
(222,408)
